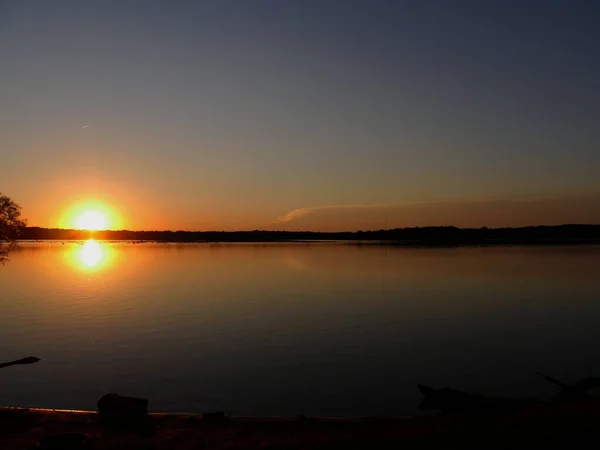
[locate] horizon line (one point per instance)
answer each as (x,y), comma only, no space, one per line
(484,227)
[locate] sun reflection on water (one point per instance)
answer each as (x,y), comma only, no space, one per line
(91,256)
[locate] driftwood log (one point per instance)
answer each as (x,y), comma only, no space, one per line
(28,360)
(454,401)
(580,388)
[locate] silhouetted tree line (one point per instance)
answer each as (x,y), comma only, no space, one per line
(447,235)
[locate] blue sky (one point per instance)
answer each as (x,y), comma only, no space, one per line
(232,114)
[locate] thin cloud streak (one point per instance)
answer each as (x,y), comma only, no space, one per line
(299,212)
(446,211)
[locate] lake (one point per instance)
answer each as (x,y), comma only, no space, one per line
(286,329)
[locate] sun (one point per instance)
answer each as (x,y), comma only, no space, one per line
(91,220)
(91,215)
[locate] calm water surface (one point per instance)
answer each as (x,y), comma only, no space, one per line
(289,329)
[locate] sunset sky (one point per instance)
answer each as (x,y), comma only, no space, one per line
(301,114)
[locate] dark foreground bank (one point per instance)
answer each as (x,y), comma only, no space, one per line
(570,426)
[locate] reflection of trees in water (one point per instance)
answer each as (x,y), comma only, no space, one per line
(3,253)
(5,249)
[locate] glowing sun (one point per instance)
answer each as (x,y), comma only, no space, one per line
(91,220)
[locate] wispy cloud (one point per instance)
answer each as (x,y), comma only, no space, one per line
(299,212)
(573,208)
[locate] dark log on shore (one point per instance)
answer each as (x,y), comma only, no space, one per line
(116,405)
(453,401)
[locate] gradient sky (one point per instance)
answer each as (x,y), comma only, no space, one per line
(302,114)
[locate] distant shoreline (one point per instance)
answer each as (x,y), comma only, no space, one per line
(416,244)
(407,237)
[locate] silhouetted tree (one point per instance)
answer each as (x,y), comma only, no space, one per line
(11,225)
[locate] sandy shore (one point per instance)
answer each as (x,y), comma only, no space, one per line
(20,428)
